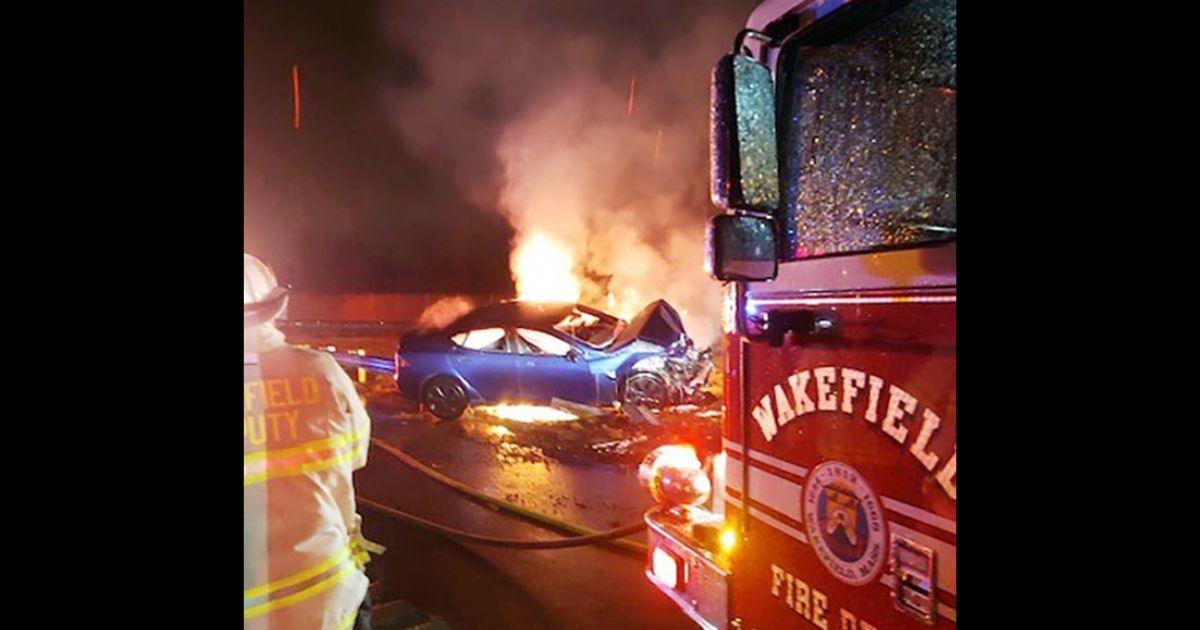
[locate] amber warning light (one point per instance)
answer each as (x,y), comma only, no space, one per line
(674,476)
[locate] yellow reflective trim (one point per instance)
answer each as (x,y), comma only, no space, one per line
(315,589)
(329,442)
(349,620)
(282,462)
(359,542)
(296,578)
(300,469)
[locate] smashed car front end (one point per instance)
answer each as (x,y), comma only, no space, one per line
(685,371)
(656,344)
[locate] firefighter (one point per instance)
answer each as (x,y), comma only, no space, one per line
(305,432)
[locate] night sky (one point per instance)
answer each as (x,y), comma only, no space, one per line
(351,202)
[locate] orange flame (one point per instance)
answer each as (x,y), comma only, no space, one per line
(544,271)
(527,413)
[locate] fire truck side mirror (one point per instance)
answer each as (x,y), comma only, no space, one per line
(741,247)
(743,158)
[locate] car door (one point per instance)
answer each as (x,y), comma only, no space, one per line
(551,367)
(483,359)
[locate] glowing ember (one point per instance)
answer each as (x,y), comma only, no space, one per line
(296,96)
(632,95)
(527,413)
(544,271)
(499,431)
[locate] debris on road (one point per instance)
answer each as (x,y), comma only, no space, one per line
(641,415)
(578,409)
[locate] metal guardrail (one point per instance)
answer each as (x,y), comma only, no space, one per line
(306,325)
(370,363)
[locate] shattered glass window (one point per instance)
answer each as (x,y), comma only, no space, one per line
(485,339)
(537,342)
(588,328)
(869,130)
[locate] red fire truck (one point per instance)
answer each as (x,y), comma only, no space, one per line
(833,501)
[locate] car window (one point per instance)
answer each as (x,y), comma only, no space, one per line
(486,339)
(538,342)
(589,328)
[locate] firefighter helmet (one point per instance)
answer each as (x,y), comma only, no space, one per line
(262,298)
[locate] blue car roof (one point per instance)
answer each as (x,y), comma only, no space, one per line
(514,313)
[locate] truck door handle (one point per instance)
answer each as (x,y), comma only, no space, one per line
(773,326)
(914,568)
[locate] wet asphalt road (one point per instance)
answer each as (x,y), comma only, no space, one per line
(553,470)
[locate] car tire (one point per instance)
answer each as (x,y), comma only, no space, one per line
(445,397)
(644,389)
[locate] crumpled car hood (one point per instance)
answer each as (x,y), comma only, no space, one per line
(658,323)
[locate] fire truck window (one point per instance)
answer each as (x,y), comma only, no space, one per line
(486,339)
(869,153)
(543,343)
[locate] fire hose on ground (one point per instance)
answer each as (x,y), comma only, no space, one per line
(583,535)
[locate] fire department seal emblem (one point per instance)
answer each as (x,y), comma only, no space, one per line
(845,523)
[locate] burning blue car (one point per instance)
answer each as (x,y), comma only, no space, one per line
(531,352)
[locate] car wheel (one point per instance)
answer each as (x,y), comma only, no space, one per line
(445,397)
(644,389)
